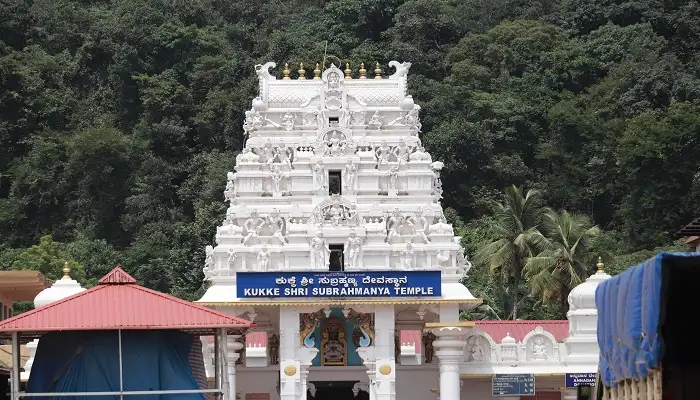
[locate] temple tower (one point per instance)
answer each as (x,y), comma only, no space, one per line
(333,178)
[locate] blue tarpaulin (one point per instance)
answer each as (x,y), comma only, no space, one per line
(84,361)
(629,325)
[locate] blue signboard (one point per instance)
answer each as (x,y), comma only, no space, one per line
(503,385)
(339,284)
(576,380)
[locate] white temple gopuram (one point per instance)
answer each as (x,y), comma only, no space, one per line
(336,246)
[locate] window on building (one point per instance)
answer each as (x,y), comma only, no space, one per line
(333,121)
(334,182)
(336,259)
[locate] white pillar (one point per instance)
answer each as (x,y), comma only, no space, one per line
(385,363)
(449,349)
(290,367)
(233,346)
(305,356)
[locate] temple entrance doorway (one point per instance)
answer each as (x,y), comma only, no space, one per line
(337,390)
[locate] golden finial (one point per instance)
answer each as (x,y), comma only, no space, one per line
(66,271)
(301,71)
(377,71)
(363,71)
(286,71)
(317,72)
(348,71)
(600,264)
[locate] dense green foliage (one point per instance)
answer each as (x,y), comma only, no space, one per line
(120,118)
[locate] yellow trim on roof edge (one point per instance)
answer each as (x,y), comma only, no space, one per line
(460,324)
(337,301)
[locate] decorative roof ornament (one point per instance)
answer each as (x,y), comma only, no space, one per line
(301,71)
(62,288)
(377,71)
(363,71)
(317,72)
(286,71)
(348,71)
(583,295)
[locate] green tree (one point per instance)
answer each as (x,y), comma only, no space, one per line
(516,224)
(566,258)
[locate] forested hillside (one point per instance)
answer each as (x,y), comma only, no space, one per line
(119,120)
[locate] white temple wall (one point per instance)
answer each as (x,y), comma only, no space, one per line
(411,383)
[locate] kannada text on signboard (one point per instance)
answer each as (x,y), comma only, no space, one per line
(581,379)
(506,385)
(339,284)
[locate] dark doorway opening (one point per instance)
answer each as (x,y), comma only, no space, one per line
(337,390)
(336,257)
(335,185)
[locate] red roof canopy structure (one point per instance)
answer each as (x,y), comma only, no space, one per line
(118,302)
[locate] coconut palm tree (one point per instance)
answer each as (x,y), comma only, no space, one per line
(518,238)
(564,261)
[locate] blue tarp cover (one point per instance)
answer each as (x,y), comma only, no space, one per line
(83,361)
(628,321)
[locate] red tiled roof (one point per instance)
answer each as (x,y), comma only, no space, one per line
(518,329)
(117,302)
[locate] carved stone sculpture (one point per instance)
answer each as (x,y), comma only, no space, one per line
(350,177)
(288,121)
(383,152)
(376,122)
(320,177)
(408,257)
(428,339)
(209,263)
(276,180)
(353,250)
(412,120)
(264,260)
(402,152)
(274,347)
(320,252)
(539,349)
(231,259)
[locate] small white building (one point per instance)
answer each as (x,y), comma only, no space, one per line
(336,246)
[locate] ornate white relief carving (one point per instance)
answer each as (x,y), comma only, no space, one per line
(320,178)
(376,122)
(420,155)
(288,121)
(353,250)
(408,257)
(382,153)
(264,260)
(401,152)
(412,120)
(320,252)
(208,262)
(478,349)
(336,211)
(441,228)
(350,178)
(540,345)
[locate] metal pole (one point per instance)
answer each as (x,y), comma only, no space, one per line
(217,363)
(15,383)
(224,367)
(121,369)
